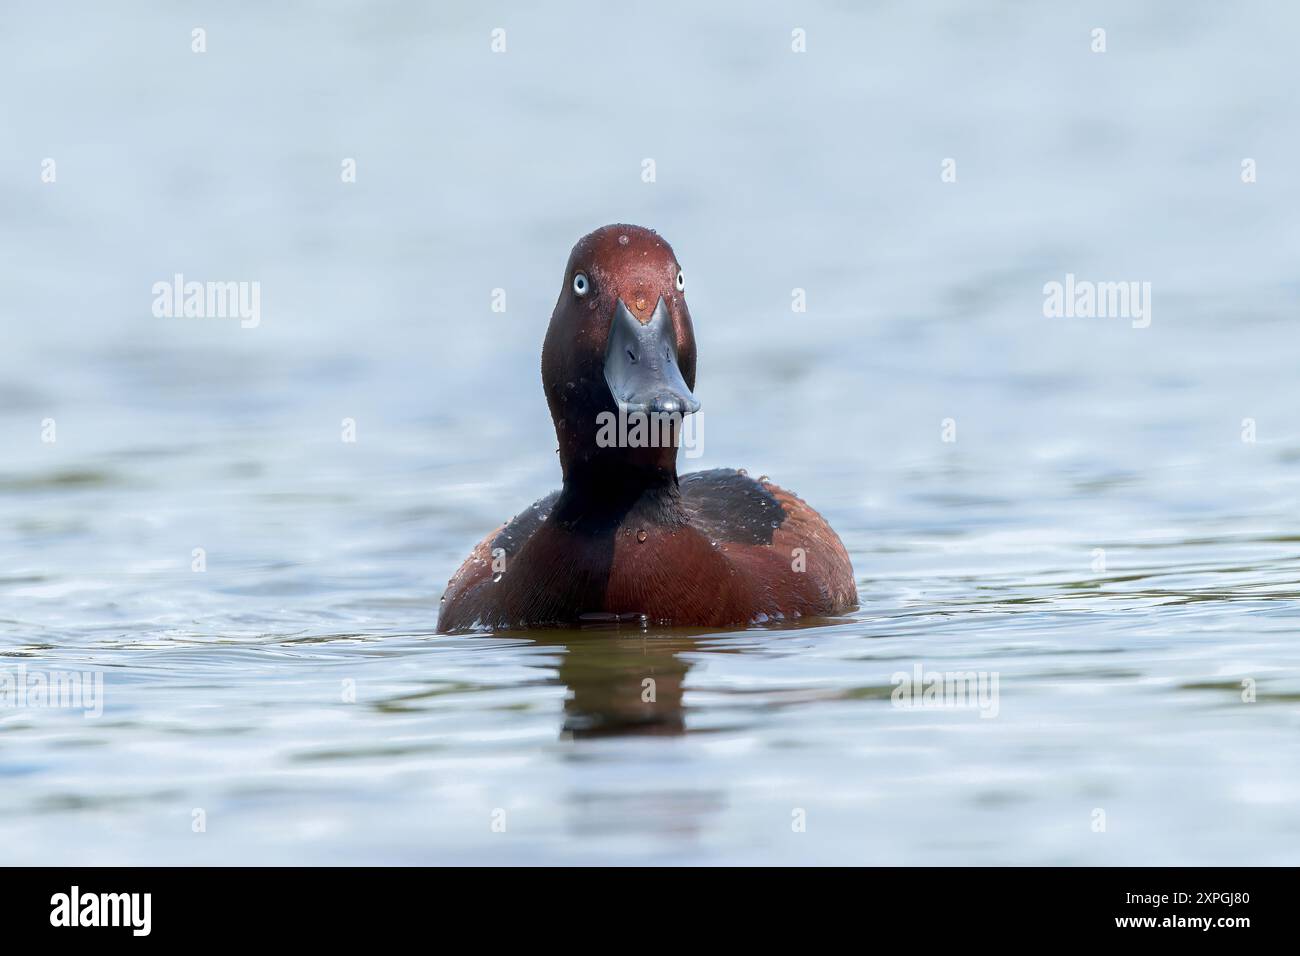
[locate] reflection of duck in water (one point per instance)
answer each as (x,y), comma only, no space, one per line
(629,683)
(620,682)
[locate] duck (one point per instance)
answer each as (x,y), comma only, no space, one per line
(626,539)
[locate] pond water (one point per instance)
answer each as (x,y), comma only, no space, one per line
(1101,516)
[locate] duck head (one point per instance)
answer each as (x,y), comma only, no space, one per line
(620,342)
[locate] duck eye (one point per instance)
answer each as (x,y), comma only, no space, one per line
(580,284)
(681,281)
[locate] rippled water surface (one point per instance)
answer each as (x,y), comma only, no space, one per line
(1099,536)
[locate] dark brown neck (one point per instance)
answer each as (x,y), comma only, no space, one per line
(602,491)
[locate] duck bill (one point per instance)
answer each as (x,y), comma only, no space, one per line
(641,367)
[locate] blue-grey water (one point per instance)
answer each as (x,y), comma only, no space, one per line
(1114,532)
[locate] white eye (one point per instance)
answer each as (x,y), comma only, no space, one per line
(580,284)
(681,281)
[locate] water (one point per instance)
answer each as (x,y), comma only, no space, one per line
(1120,690)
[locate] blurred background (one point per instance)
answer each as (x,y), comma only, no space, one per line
(775,170)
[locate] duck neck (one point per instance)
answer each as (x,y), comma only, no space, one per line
(602,492)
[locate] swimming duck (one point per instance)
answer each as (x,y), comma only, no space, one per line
(626,539)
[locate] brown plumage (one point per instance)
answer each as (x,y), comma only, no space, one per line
(625,537)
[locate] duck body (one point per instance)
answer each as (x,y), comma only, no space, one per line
(626,538)
(719,549)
